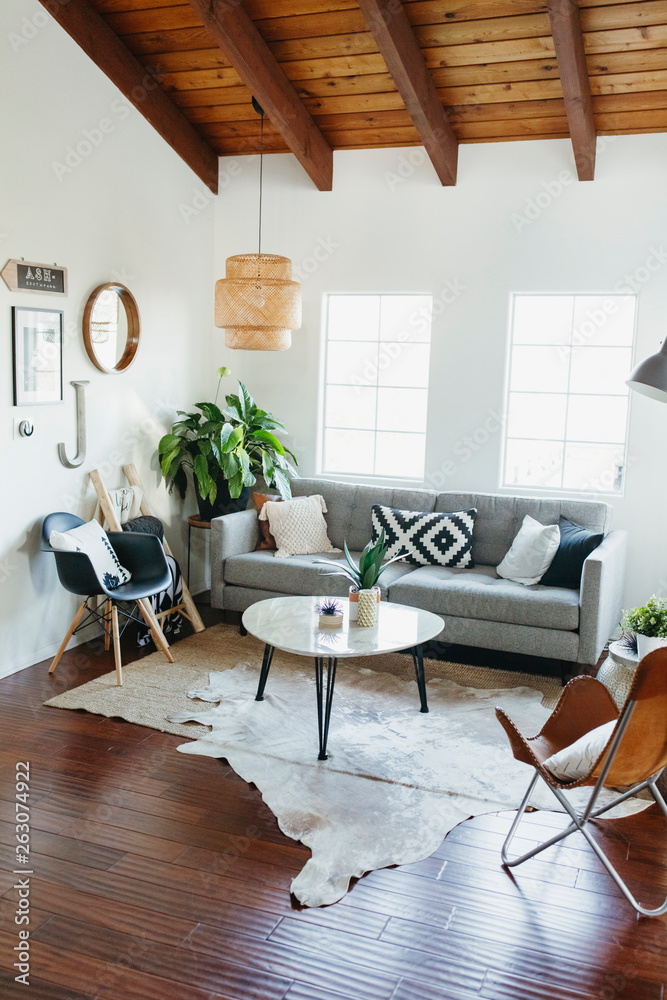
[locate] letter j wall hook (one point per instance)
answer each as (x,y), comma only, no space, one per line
(74,463)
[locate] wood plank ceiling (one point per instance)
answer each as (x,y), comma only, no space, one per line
(493,64)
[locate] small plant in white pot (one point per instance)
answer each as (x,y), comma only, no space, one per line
(364,592)
(330,614)
(649,624)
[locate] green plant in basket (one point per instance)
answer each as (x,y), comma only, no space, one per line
(366,574)
(650,619)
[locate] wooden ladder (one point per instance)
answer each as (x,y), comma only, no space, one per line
(187,607)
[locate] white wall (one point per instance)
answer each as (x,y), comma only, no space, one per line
(117,214)
(389,226)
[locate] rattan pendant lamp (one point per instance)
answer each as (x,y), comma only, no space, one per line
(257,302)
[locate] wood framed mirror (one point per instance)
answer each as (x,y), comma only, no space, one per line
(111,327)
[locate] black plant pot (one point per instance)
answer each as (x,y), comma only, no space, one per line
(224,504)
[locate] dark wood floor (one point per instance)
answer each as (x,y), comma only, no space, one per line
(159,876)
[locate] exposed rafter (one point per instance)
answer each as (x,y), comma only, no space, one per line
(400,50)
(235,33)
(141,89)
(571,57)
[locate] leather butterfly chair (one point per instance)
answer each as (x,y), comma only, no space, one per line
(634,756)
(141,554)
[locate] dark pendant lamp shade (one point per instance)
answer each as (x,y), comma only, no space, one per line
(650,376)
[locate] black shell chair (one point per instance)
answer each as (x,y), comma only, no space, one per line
(141,554)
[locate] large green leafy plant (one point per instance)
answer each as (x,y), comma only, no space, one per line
(370,568)
(236,443)
(650,619)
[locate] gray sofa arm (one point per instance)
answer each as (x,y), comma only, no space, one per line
(601,597)
(231,535)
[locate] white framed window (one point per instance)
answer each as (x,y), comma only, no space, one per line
(375,391)
(567,401)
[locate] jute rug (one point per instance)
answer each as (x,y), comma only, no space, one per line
(396,780)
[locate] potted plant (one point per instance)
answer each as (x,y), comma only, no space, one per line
(649,624)
(364,592)
(225,450)
(330,614)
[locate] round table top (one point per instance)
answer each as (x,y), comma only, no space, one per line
(291,624)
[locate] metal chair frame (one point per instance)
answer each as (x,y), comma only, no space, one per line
(581,820)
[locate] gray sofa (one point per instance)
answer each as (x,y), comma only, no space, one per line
(479,607)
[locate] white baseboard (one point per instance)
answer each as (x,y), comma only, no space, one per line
(49,650)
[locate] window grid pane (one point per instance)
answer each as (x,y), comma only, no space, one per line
(567,402)
(376,384)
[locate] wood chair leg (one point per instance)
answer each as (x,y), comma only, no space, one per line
(70,633)
(161,643)
(107,624)
(191,609)
(116,644)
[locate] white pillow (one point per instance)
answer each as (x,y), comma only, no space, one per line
(576,760)
(91,538)
(531,552)
(298,526)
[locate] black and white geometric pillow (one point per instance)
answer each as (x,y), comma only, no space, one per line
(437,539)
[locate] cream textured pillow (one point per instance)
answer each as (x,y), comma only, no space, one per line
(531,552)
(576,760)
(298,526)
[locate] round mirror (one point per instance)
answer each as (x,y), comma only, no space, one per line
(111,327)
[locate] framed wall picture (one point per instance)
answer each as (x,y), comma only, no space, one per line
(38,355)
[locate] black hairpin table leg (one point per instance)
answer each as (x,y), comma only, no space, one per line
(418,658)
(324,699)
(264,673)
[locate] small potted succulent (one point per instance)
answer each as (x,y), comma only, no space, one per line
(648,623)
(364,592)
(330,614)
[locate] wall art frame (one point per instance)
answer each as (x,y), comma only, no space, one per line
(37,348)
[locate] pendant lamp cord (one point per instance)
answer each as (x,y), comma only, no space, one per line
(261,177)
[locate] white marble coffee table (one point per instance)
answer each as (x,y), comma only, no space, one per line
(291,624)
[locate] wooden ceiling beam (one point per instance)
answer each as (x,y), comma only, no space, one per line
(241,42)
(91,32)
(395,38)
(568,39)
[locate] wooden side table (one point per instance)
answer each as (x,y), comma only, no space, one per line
(195,522)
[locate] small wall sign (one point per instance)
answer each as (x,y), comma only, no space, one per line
(27,276)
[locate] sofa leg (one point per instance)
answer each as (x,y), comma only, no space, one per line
(242,630)
(568,670)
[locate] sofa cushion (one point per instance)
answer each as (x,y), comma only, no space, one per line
(500,517)
(299,574)
(349,507)
(297,525)
(531,552)
(481,593)
(576,544)
(266,541)
(426,539)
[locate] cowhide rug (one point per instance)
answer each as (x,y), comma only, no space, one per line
(396,780)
